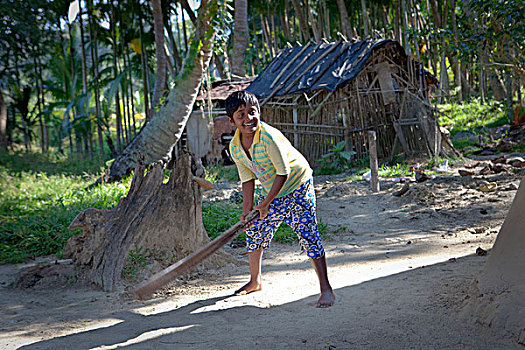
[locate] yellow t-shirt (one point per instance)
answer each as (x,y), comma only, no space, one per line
(272,154)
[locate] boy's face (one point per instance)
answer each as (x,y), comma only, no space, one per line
(246,118)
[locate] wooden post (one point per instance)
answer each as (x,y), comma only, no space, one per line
(374,172)
(346,123)
(436,144)
(295,133)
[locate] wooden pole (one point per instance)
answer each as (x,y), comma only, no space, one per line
(374,172)
(295,133)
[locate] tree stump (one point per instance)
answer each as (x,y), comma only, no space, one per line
(163,218)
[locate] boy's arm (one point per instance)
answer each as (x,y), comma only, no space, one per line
(263,207)
(248,189)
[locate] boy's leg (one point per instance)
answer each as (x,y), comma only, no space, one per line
(302,218)
(327,294)
(258,237)
(255,283)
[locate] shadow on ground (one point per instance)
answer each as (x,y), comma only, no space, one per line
(399,311)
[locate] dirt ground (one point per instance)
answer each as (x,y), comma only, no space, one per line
(401,268)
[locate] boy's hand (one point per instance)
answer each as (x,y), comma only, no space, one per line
(263,209)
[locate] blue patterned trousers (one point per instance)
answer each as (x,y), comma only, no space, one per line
(296,209)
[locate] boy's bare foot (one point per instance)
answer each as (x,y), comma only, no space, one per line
(326,299)
(249,288)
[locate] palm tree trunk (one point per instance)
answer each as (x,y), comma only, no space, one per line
(345,21)
(273,34)
(145,71)
(39,106)
(158,137)
(185,4)
(220,67)
(406,43)
(78,135)
(366,22)
(326,14)
(130,76)
(118,112)
(42,102)
(455,60)
(266,31)
(160,76)
(125,91)
(240,38)
(173,45)
(184,30)
(286,24)
(303,25)
(313,22)
(3,123)
(73,75)
(94,68)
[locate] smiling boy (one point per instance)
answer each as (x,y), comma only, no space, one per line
(263,152)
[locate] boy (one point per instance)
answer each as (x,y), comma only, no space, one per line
(262,151)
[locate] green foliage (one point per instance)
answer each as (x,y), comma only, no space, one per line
(36,207)
(137,260)
(220,216)
(54,163)
(336,160)
(502,31)
(217,173)
(472,115)
(397,170)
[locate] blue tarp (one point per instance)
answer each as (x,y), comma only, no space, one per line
(343,62)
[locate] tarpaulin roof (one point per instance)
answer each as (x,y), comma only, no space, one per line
(315,66)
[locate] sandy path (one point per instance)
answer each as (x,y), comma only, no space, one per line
(401,269)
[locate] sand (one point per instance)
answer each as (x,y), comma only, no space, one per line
(401,268)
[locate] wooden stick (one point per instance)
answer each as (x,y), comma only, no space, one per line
(398,128)
(342,50)
(318,109)
(289,64)
(374,171)
(281,84)
(323,55)
(145,289)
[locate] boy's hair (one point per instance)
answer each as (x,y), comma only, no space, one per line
(237,99)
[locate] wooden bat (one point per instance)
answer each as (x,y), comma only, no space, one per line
(145,289)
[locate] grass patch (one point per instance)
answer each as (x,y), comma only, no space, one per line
(41,195)
(37,207)
(53,163)
(220,216)
(472,115)
(217,173)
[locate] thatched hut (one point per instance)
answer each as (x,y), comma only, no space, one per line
(323,93)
